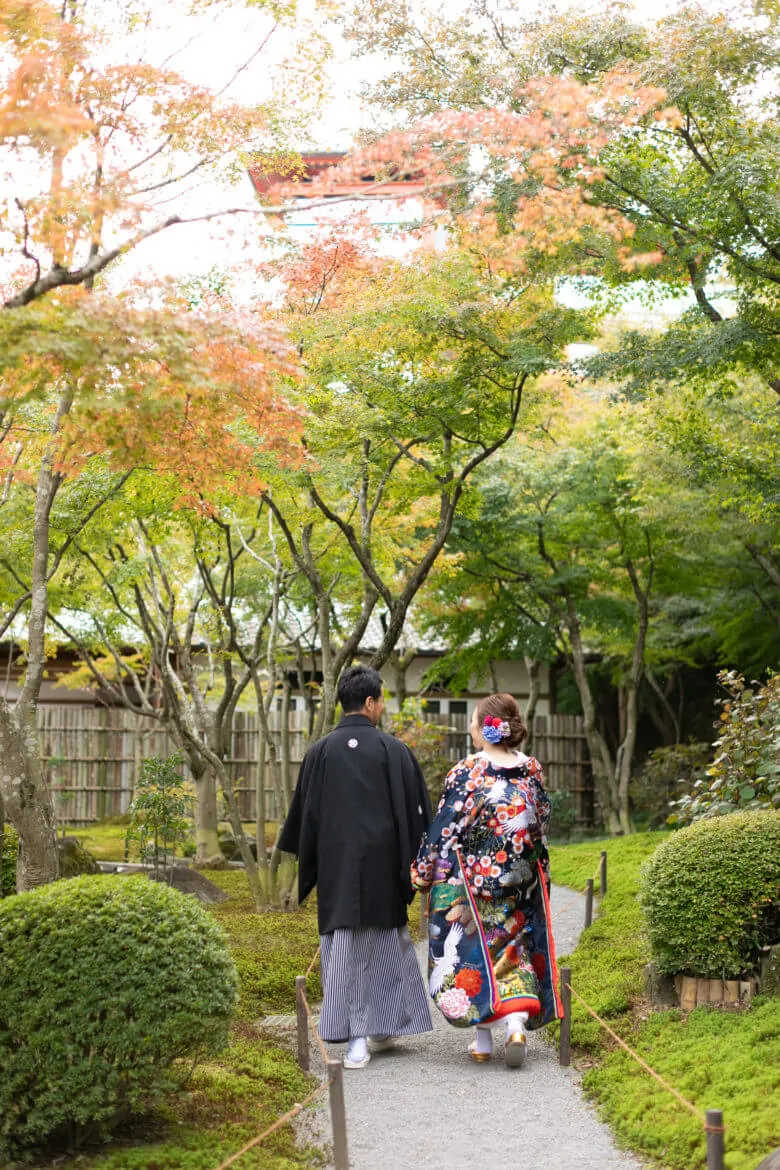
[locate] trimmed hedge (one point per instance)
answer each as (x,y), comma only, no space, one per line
(106,982)
(711,893)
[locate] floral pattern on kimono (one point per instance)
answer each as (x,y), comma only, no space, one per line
(490,946)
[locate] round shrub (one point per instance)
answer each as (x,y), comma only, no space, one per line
(106,981)
(710,895)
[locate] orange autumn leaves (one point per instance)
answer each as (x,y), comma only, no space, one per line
(95,147)
(549,143)
(195,397)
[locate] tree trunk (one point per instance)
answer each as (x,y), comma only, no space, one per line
(534,668)
(625,754)
(27,801)
(601,759)
(259,896)
(284,744)
(260,845)
(206,815)
(625,757)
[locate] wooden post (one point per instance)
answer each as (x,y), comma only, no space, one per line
(564,1055)
(423,913)
(589,903)
(603,874)
(303,1023)
(714,1139)
(338,1117)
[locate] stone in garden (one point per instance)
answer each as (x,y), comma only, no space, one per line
(660,989)
(74,858)
(218,861)
(770,972)
(190,881)
(771,1161)
(230,849)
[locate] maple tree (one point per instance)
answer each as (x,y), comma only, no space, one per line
(99,134)
(626,541)
(173,612)
(682,200)
(414,374)
(120,388)
(564,555)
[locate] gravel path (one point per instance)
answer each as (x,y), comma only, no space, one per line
(424,1104)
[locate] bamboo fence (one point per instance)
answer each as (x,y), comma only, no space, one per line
(94,753)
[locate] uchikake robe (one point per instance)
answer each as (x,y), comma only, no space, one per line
(355,823)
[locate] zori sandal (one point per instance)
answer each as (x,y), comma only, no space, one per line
(515,1051)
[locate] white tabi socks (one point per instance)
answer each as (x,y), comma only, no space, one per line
(357,1053)
(515,1023)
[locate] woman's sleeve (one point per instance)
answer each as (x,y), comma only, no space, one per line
(543,808)
(443,828)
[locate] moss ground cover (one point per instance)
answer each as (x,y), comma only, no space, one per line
(235,1096)
(106,840)
(268,949)
(716,1059)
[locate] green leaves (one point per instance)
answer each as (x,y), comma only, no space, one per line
(161,811)
(107,982)
(709,893)
(746,770)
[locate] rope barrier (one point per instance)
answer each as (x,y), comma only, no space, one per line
(567,905)
(317,1036)
(696,1112)
(313,963)
(296,1109)
(291,1113)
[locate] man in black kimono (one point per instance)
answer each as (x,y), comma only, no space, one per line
(357,817)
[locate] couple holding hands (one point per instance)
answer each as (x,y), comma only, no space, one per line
(361,826)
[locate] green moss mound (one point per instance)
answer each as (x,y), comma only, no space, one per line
(710,895)
(106,983)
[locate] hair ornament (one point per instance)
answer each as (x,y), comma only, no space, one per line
(495,729)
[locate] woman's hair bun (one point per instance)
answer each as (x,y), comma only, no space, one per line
(504,707)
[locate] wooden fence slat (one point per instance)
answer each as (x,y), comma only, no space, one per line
(92,755)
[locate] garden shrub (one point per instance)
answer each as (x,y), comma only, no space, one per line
(711,893)
(563,812)
(161,811)
(428,741)
(745,772)
(652,791)
(106,982)
(8,865)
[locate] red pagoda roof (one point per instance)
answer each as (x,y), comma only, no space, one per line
(315,164)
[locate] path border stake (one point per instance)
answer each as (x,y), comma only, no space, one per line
(589,903)
(714,1130)
(338,1117)
(303,1023)
(564,1055)
(603,874)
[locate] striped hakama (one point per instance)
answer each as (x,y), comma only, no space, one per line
(371,985)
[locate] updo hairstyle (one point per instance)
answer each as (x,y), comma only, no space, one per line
(504,707)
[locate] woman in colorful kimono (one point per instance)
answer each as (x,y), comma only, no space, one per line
(491,955)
